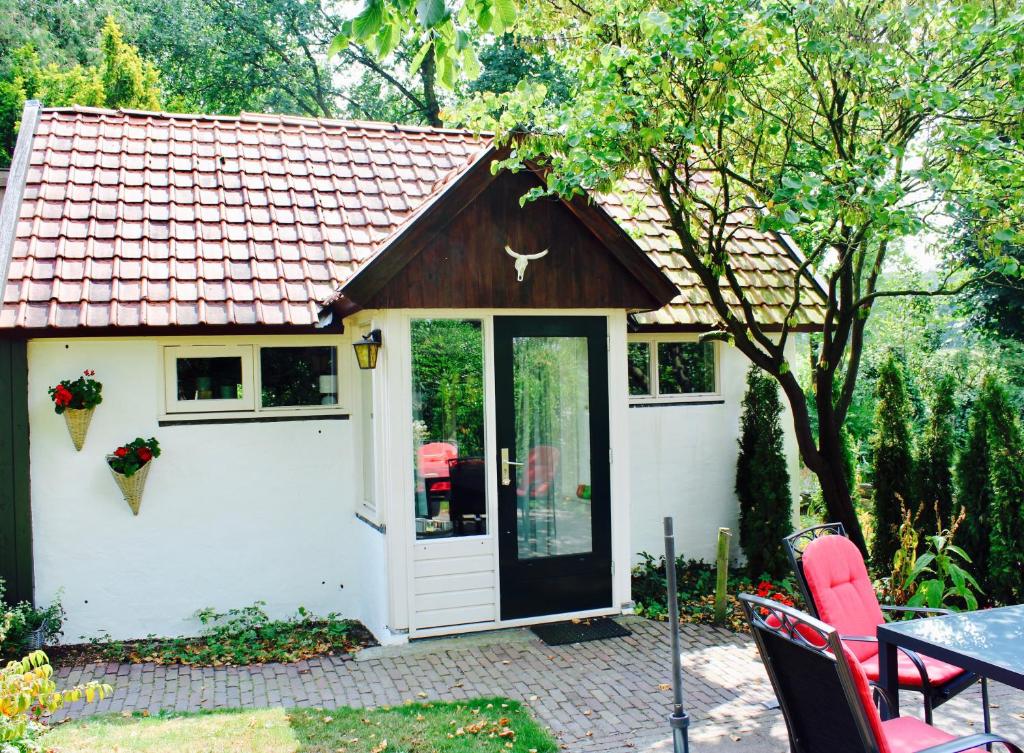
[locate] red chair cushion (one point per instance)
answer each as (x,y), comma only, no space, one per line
(842,591)
(939,673)
(904,734)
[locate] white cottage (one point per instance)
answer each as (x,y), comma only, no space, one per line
(539,401)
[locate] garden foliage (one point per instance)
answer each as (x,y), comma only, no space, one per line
(762,479)
(242,636)
(1006,513)
(695,582)
(936,450)
(893,461)
(974,492)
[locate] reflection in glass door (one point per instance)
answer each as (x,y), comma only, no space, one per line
(552,431)
(551,378)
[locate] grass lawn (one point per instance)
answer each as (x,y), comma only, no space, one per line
(484,725)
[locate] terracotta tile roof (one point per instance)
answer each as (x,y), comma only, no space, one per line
(765,265)
(151,219)
(133,218)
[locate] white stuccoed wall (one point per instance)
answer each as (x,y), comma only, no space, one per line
(684,465)
(231,514)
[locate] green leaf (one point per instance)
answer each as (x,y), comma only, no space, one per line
(506,15)
(338,44)
(421,54)
(933,591)
(431,12)
(369,20)
(958,551)
(920,566)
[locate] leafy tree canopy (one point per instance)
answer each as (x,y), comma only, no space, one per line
(854,125)
(121,78)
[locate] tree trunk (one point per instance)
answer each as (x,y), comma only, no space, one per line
(823,454)
(838,498)
(428,75)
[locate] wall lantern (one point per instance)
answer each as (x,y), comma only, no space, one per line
(367,350)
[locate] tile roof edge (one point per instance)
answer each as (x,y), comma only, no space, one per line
(256,117)
(10,209)
(793,251)
(440,188)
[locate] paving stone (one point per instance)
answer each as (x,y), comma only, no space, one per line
(621,681)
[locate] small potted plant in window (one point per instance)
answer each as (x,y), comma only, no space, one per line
(76,399)
(129,464)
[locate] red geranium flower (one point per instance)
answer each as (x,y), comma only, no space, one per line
(62,395)
(145,454)
(121,451)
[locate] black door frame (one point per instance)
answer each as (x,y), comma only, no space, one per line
(564,583)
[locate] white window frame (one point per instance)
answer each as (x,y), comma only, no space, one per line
(174,352)
(654,398)
(249,406)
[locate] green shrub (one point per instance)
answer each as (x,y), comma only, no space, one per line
(762,479)
(893,461)
(1006,475)
(974,491)
(19,621)
(937,448)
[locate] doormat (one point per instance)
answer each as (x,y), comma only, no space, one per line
(581,631)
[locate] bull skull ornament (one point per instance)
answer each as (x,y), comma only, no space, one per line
(522,260)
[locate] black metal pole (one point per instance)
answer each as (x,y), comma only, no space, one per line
(678,719)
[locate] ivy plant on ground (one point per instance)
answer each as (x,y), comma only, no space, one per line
(236,637)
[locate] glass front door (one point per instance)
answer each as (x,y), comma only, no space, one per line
(553,475)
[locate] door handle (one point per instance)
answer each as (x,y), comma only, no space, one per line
(506,476)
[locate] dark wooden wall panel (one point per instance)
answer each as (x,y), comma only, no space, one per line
(15,512)
(465,264)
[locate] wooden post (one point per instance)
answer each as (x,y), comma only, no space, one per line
(722,571)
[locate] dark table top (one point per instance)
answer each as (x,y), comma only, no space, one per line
(988,641)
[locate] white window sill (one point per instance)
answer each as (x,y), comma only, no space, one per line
(667,401)
(250,417)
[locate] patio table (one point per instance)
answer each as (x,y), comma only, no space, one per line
(989,642)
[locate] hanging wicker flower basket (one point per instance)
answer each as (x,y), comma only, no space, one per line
(76,399)
(129,464)
(131,486)
(77,420)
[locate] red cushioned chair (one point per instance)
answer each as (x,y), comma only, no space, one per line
(825,696)
(541,469)
(433,460)
(836,587)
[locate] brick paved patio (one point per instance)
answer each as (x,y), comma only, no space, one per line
(602,696)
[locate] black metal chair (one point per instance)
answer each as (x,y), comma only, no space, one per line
(936,681)
(826,699)
(468,494)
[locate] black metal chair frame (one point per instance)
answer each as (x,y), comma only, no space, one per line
(467,498)
(824,644)
(934,695)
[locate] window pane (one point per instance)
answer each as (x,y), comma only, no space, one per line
(298,376)
(217,378)
(686,367)
(552,425)
(639,368)
(448,428)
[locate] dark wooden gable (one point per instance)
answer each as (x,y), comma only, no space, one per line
(463,263)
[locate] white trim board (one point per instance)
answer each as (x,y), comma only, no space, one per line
(15,191)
